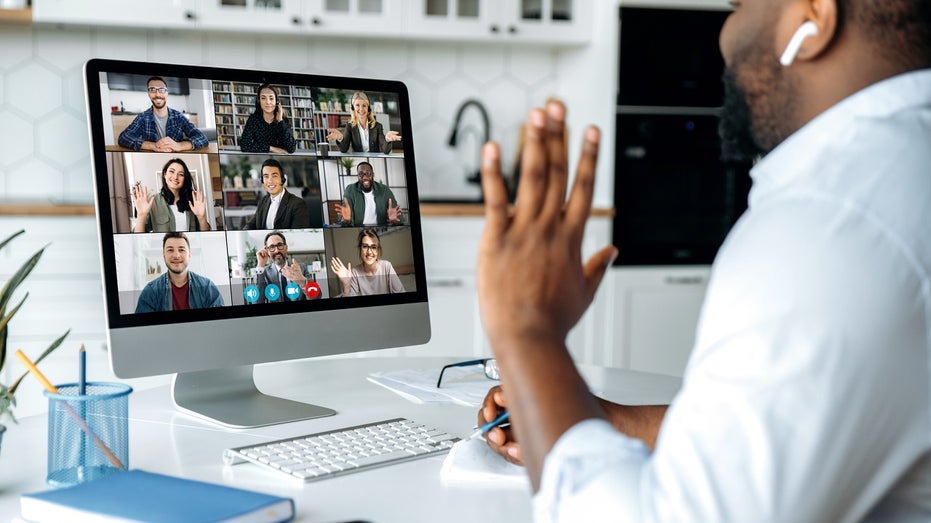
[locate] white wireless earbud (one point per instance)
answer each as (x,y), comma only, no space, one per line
(804,31)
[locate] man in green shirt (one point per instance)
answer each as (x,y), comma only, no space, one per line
(368,202)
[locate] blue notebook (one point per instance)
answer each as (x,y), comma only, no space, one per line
(139,496)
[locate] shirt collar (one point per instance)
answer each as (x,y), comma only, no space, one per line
(805,148)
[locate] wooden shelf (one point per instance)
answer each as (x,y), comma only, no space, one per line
(45,209)
(16,16)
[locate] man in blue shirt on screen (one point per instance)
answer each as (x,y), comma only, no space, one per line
(178,288)
(161,128)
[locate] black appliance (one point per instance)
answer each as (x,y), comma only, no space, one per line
(675,199)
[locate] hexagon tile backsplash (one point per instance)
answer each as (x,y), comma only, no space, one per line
(43,125)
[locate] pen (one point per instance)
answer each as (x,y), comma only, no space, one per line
(497,422)
(82,373)
(54,390)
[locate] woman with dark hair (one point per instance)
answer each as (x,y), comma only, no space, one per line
(177,207)
(373,275)
(267,130)
(362,132)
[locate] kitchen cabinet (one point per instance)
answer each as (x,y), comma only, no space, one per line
(657,311)
(178,14)
(323,17)
(530,21)
(550,22)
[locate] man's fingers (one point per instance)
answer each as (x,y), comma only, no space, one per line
(580,200)
(533,172)
(556,150)
(493,189)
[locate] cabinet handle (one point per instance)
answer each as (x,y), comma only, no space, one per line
(684,280)
(296,20)
(494,28)
(190,15)
(447,282)
(316,21)
(512,29)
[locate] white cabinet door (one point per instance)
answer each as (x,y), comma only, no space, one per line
(544,21)
(551,22)
(359,18)
(124,13)
(265,16)
(451,19)
(657,312)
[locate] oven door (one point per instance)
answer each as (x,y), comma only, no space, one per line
(675,199)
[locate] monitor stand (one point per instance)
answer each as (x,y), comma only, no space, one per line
(229,397)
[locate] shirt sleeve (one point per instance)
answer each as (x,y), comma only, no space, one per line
(248,143)
(131,137)
(285,135)
(592,474)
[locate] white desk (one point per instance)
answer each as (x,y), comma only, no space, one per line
(167,441)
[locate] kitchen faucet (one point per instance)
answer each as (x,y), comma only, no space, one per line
(486,134)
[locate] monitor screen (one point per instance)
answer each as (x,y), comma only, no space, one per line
(251,217)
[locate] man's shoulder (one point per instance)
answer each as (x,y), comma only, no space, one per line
(201,281)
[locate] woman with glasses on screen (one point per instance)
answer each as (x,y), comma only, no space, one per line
(362,132)
(374,276)
(176,208)
(268,129)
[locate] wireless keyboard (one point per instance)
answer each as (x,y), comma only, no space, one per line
(352,449)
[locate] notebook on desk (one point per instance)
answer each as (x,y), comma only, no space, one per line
(137,496)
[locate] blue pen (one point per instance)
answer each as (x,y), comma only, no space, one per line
(82,371)
(497,422)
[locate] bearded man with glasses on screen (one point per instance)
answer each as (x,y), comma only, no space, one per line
(161,128)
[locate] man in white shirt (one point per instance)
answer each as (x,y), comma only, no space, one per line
(807,397)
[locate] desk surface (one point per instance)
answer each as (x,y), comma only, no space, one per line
(165,440)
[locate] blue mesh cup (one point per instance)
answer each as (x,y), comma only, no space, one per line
(88,435)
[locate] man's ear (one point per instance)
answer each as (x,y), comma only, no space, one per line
(808,29)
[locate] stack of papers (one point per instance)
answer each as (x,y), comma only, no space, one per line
(461,385)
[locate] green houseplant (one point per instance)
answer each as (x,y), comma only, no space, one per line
(7,392)
(347,163)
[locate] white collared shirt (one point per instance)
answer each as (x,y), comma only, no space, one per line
(273,209)
(807,397)
(364,135)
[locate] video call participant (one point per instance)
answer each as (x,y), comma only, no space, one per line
(279,209)
(368,202)
(268,129)
(161,128)
(362,132)
(274,268)
(375,276)
(177,207)
(179,288)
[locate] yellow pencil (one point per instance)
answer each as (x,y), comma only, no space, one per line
(54,390)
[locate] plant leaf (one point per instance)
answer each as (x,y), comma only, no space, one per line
(18,278)
(41,357)
(10,238)
(3,329)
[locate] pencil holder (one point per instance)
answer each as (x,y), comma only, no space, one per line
(88,435)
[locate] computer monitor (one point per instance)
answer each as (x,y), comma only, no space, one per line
(265,216)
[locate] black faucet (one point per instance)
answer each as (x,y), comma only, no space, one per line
(475,177)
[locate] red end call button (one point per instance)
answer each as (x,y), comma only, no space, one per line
(312,289)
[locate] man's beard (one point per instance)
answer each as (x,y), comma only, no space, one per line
(734,126)
(757,111)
